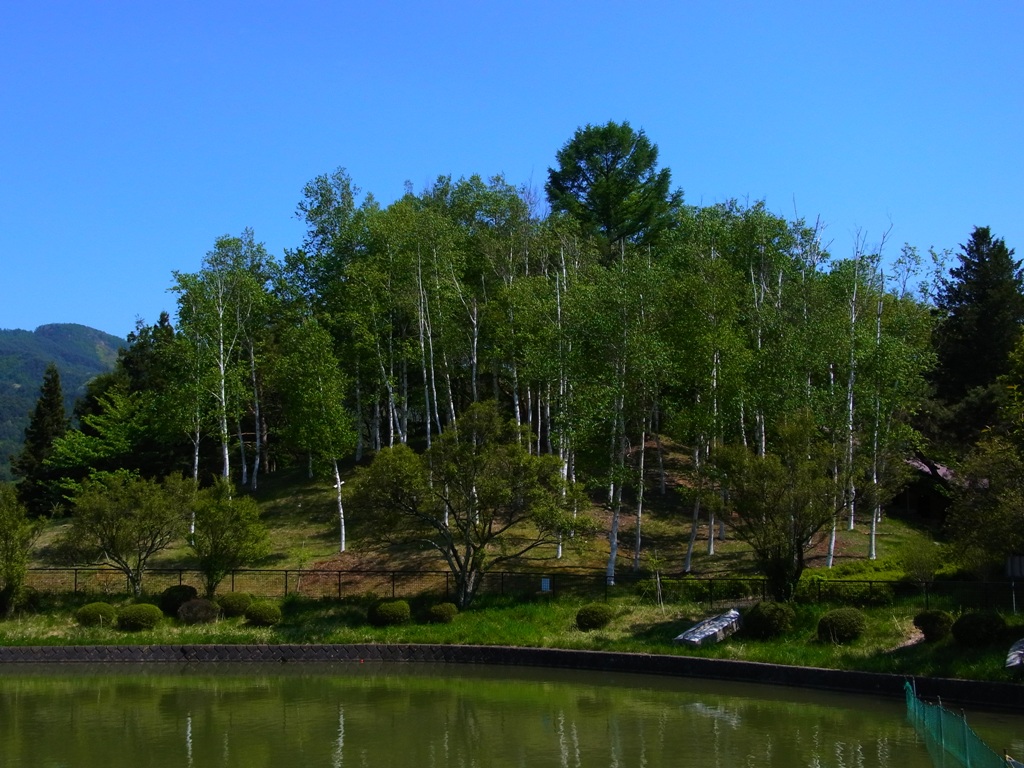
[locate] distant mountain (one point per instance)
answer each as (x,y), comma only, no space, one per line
(78,352)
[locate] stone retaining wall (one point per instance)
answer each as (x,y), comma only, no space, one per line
(970,693)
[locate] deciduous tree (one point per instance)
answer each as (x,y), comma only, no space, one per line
(477,497)
(228,533)
(780,501)
(17,533)
(127,520)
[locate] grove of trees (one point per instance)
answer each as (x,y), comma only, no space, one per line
(577,340)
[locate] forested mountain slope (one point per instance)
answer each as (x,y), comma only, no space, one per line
(78,352)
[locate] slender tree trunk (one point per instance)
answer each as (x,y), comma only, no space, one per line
(640,498)
(698,474)
(241,453)
(257,454)
(338,482)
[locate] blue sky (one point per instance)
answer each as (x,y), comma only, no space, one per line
(134,134)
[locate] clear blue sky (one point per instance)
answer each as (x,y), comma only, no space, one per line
(132,134)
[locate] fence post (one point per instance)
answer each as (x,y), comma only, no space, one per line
(286,582)
(181,576)
(232,580)
(76,580)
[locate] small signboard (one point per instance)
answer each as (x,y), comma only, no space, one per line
(1015,567)
(545,584)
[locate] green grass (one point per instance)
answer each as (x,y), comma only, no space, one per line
(301,517)
(890,644)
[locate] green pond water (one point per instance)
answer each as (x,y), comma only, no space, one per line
(380,715)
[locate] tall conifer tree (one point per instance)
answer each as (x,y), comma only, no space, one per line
(982,308)
(49,421)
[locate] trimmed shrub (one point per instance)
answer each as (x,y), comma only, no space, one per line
(442,613)
(934,625)
(172,598)
(976,630)
(234,603)
(140,616)
(263,613)
(389,613)
(594,616)
(766,620)
(841,625)
(96,615)
(199,611)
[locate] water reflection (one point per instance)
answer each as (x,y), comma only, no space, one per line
(391,715)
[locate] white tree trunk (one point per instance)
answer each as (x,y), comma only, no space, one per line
(338,482)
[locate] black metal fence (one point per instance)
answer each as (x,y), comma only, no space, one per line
(949,595)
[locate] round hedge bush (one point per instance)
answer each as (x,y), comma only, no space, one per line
(263,613)
(594,616)
(172,598)
(978,629)
(199,611)
(138,617)
(442,613)
(96,615)
(234,603)
(934,625)
(766,620)
(841,625)
(389,613)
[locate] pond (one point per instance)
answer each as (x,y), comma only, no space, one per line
(380,715)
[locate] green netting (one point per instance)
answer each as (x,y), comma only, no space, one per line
(950,732)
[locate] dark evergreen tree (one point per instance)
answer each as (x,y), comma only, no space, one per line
(981,310)
(49,422)
(608,179)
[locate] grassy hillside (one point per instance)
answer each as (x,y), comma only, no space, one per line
(79,354)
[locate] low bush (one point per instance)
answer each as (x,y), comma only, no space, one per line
(934,625)
(978,629)
(841,625)
(234,603)
(96,615)
(594,616)
(442,613)
(199,611)
(138,617)
(172,598)
(389,612)
(766,620)
(263,613)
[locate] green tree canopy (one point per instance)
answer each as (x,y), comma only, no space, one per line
(228,532)
(985,523)
(17,533)
(608,179)
(477,496)
(780,501)
(127,519)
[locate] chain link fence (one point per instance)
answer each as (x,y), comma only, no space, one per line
(591,585)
